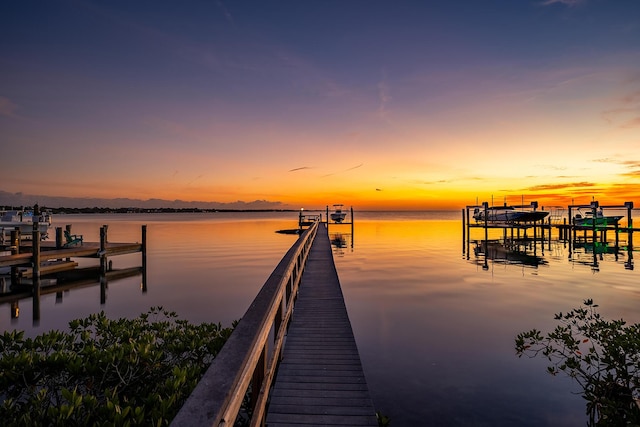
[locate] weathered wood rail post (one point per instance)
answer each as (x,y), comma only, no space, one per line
(103,249)
(59,237)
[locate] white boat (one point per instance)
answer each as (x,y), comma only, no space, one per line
(586,219)
(24,220)
(338,214)
(507,214)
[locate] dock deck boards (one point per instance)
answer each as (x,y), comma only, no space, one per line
(87,249)
(320,381)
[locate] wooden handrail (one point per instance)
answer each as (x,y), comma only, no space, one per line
(245,359)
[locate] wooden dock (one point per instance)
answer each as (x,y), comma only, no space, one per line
(39,267)
(320,381)
(293,354)
(86,250)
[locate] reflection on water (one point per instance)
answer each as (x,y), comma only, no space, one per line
(340,242)
(435,330)
(199,265)
(510,252)
(32,291)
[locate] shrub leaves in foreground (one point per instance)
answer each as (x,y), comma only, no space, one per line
(105,372)
(602,356)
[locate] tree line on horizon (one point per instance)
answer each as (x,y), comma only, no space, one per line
(107,210)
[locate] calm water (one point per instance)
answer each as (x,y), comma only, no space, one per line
(435,328)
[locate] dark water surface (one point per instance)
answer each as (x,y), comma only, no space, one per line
(434,328)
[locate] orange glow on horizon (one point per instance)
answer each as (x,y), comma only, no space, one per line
(400,199)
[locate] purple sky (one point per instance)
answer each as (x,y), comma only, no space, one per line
(408,104)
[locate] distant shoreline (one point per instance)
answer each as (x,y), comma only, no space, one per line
(154,210)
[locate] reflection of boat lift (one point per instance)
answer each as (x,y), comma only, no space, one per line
(524,252)
(339,243)
(338,240)
(597,251)
(507,253)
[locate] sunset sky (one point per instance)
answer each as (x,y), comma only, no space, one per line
(374,104)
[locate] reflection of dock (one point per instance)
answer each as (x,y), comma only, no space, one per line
(43,267)
(79,278)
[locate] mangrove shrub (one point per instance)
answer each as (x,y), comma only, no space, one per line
(105,372)
(603,356)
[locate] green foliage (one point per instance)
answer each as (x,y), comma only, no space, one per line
(105,372)
(602,356)
(383,420)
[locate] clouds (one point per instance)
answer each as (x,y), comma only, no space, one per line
(555,187)
(343,171)
(384,98)
(224,92)
(633,168)
(565,2)
(626,114)
(225,12)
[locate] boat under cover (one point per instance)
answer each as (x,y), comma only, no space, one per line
(508,214)
(586,219)
(338,215)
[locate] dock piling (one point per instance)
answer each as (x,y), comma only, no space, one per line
(15,250)
(464,230)
(35,235)
(144,258)
(58,237)
(103,249)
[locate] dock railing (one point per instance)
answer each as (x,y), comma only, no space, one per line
(245,361)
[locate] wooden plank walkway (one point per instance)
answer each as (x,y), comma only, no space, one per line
(320,381)
(87,249)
